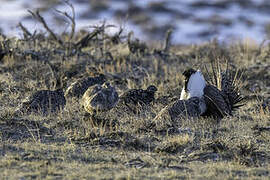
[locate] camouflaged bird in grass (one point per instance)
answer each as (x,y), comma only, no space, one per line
(78,88)
(137,98)
(43,102)
(99,98)
(179,110)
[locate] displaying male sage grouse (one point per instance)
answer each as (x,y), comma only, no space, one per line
(201,99)
(99,98)
(78,88)
(43,102)
(135,99)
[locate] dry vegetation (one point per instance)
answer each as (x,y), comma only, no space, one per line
(68,145)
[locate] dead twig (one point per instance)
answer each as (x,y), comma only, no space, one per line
(167,40)
(98,29)
(37,16)
(26,33)
(71,18)
(84,40)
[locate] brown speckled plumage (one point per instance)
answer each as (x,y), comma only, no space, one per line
(78,88)
(99,98)
(179,109)
(137,98)
(44,102)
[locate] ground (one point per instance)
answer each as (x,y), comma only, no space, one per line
(68,145)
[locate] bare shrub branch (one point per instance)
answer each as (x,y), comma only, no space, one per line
(37,16)
(98,30)
(167,40)
(71,18)
(26,33)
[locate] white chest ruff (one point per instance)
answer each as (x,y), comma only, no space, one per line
(195,86)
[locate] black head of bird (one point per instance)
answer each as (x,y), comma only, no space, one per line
(107,85)
(152,89)
(102,78)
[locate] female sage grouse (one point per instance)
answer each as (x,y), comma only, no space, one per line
(99,98)
(44,102)
(78,88)
(201,99)
(137,98)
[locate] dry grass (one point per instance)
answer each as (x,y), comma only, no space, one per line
(69,145)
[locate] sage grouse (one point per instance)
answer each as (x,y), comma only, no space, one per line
(44,102)
(99,98)
(78,88)
(201,99)
(135,99)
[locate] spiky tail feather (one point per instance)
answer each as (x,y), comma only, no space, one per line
(228,82)
(231,89)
